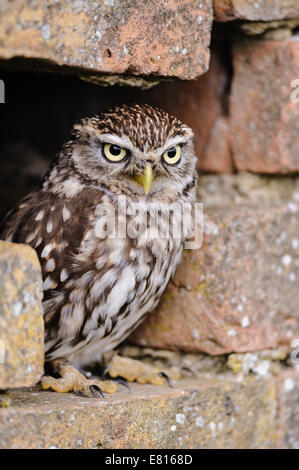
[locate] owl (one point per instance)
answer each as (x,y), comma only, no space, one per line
(101,224)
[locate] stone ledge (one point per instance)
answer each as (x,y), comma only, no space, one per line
(21,316)
(210,412)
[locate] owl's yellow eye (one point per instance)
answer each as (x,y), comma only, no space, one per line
(173,155)
(114,153)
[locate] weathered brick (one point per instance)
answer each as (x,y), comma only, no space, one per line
(239,292)
(261,10)
(264,119)
(211,412)
(217,155)
(201,105)
(21,316)
(111,37)
(288,409)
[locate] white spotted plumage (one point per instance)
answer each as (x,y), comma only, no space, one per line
(97,290)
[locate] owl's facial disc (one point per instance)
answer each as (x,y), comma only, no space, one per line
(144,165)
(149,155)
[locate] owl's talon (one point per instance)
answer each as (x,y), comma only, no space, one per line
(187,369)
(95,388)
(71,380)
(123,382)
(165,376)
(133,370)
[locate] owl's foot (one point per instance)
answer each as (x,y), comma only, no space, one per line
(72,380)
(133,370)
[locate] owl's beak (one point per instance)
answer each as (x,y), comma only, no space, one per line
(147,178)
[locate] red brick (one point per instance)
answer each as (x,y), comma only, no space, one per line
(21,317)
(113,37)
(239,292)
(217,155)
(264,120)
(149,417)
(255,10)
(200,104)
(288,409)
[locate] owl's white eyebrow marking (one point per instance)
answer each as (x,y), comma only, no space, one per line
(49,283)
(172,143)
(40,215)
(50,265)
(46,250)
(49,226)
(120,141)
(65,213)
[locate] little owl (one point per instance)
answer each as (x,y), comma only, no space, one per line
(98,288)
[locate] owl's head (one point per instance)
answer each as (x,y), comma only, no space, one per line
(138,150)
